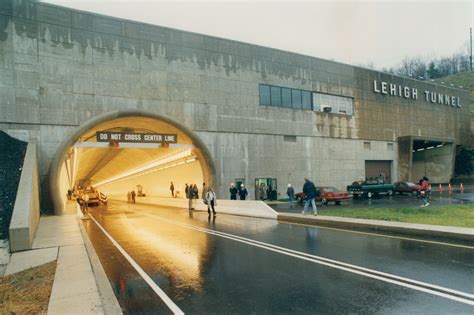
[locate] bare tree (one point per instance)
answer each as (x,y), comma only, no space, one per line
(412,67)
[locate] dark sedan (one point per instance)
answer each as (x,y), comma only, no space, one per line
(407,188)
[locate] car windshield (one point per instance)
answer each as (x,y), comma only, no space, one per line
(330,189)
(411,184)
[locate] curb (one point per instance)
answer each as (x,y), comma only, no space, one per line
(424,230)
(107,296)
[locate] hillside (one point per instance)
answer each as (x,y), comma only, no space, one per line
(464,79)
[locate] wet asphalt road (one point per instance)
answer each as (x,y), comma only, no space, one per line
(206,273)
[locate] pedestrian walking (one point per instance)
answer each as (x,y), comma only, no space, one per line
(85,203)
(69,194)
(133,194)
(186,190)
(424,191)
(204,191)
(195,192)
(243,192)
(291,194)
(129,197)
(309,191)
(172,189)
(233,192)
(211,201)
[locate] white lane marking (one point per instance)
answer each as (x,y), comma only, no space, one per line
(386,277)
(380,235)
(165,298)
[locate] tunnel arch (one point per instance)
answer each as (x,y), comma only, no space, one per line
(202,152)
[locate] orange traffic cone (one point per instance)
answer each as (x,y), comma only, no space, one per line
(440,189)
(449,188)
(461,188)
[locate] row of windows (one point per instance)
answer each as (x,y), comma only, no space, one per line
(300,99)
(332,103)
(285,97)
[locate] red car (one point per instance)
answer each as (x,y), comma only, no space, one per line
(406,188)
(326,195)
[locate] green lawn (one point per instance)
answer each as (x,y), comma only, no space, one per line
(451,215)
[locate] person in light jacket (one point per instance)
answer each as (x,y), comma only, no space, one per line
(211,201)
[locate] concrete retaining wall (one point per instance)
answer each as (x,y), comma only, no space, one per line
(26,212)
(250,208)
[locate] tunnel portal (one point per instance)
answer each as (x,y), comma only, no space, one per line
(120,152)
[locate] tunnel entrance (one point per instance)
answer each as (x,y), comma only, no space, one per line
(120,152)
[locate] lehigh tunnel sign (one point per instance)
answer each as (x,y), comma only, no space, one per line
(108,136)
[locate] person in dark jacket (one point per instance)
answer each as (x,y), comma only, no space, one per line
(243,192)
(291,194)
(190,196)
(233,192)
(186,190)
(172,189)
(309,191)
(133,196)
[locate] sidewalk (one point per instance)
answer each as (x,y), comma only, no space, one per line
(79,287)
(424,230)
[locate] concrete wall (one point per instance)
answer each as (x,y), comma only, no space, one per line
(25,217)
(60,68)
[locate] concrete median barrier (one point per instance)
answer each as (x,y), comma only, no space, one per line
(26,212)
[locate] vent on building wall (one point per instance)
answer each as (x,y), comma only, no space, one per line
(289,138)
(390,146)
(367,145)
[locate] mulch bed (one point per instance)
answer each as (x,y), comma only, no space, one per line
(28,291)
(12,152)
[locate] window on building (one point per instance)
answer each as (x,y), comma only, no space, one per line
(275,93)
(367,145)
(296,98)
(289,138)
(286,97)
(390,146)
(332,104)
(265,94)
(306,100)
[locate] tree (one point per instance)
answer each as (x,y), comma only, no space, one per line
(412,67)
(433,72)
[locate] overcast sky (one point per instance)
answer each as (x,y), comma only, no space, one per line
(354,32)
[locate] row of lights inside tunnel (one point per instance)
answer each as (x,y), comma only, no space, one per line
(428,148)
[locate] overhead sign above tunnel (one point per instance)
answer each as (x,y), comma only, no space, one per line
(108,136)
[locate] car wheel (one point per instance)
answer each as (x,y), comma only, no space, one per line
(370,194)
(337,203)
(414,193)
(390,192)
(324,201)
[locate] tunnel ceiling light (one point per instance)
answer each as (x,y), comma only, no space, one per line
(421,149)
(439,145)
(170,158)
(429,148)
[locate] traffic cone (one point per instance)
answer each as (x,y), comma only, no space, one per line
(449,188)
(461,188)
(440,189)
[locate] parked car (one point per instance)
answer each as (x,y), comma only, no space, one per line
(406,188)
(326,195)
(370,187)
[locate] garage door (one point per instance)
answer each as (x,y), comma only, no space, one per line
(375,168)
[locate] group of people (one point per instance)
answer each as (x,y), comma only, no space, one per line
(131,195)
(242,192)
(192,193)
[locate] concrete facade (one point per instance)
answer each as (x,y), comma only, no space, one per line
(59,68)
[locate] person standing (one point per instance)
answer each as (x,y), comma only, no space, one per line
(190,195)
(129,197)
(309,191)
(172,189)
(211,201)
(85,203)
(133,195)
(291,194)
(243,192)
(424,191)
(233,192)
(186,190)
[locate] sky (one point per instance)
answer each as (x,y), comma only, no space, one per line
(380,33)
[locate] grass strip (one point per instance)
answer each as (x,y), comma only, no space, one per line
(449,215)
(28,291)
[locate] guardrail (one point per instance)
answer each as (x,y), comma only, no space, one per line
(26,211)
